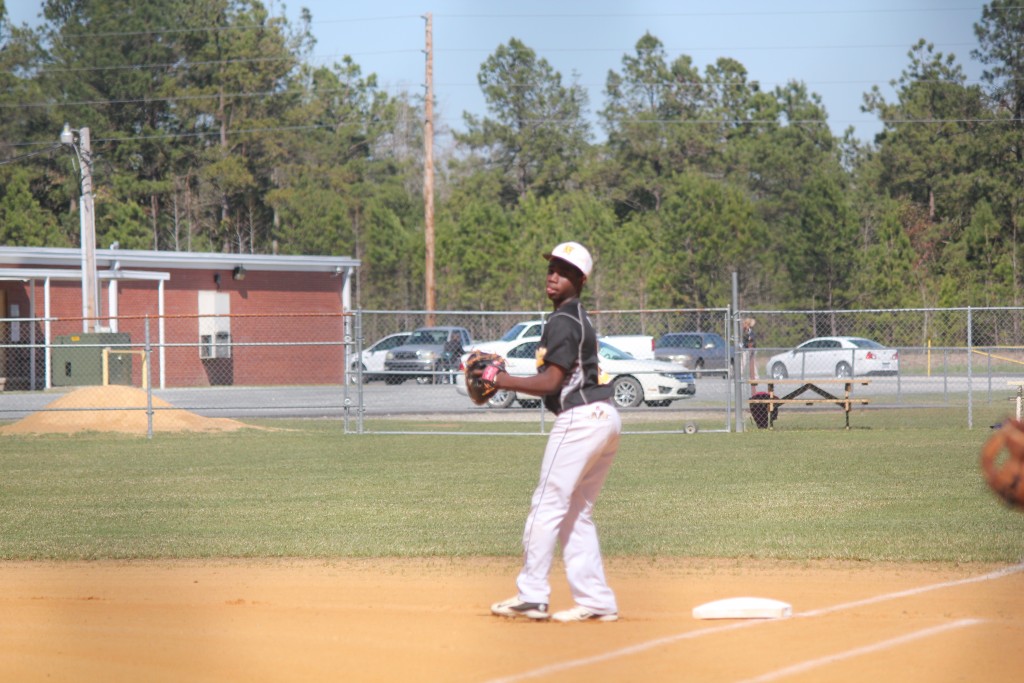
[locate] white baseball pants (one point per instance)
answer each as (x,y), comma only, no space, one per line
(579,453)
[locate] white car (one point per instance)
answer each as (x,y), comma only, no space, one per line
(373,357)
(640,346)
(834,357)
(636,381)
(520,332)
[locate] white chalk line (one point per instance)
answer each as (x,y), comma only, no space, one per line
(689,635)
(632,649)
(914,591)
(858,651)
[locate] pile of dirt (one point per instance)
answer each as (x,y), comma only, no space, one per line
(90,409)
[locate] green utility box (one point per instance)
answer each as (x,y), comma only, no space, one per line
(77,359)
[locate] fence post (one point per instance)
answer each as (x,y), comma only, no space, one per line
(353,350)
(149,385)
(740,364)
(970,368)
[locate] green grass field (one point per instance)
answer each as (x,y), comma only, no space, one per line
(905,493)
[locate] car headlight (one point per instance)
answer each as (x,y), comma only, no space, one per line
(390,355)
(426,355)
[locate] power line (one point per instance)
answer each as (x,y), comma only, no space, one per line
(179,66)
(333,91)
(283,23)
(197,134)
(215,29)
(553,15)
(29,155)
(175,98)
(694,15)
(644,122)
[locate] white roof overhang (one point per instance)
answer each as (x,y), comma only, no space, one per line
(42,257)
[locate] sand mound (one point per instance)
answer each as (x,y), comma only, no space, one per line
(166,418)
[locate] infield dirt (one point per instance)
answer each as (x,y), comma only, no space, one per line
(428,620)
(114,409)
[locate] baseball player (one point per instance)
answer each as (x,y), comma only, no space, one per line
(579,453)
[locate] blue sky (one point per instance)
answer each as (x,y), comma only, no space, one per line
(838,49)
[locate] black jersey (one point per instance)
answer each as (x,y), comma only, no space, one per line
(569,341)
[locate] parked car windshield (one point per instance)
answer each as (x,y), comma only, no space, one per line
(691,341)
(527,350)
(866,344)
(682,341)
(513,333)
(428,337)
(609,352)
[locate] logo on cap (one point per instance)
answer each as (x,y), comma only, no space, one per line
(574,253)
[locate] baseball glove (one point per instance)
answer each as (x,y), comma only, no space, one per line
(481,369)
(1005,475)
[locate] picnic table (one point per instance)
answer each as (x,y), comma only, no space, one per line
(817,389)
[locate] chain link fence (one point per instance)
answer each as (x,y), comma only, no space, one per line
(946,357)
(336,365)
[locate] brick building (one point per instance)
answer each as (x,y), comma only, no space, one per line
(212,318)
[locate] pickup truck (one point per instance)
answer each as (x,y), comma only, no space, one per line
(525,331)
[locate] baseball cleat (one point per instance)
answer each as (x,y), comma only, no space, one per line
(579,613)
(514,607)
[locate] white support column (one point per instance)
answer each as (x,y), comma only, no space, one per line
(346,301)
(346,291)
(32,370)
(47,334)
(160,335)
(112,305)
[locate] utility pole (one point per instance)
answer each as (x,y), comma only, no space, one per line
(428,171)
(87,226)
(90,292)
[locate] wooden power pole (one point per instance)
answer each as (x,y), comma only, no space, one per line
(428,171)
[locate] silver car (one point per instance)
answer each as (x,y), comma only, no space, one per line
(835,357)
(430,355)
(697,351)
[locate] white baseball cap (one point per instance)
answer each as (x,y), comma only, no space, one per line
(574,253)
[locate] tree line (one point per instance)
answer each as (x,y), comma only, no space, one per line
(213,131)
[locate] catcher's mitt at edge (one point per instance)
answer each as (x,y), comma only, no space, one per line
(1005,475)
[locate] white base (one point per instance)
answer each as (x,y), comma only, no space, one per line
(743,608)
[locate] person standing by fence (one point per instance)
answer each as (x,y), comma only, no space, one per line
(750,344)
(452,355)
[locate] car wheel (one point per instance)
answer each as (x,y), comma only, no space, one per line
(529,403)
(502,399)
(779,371)
(627,392)
(843,370)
